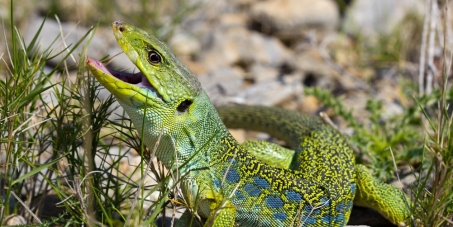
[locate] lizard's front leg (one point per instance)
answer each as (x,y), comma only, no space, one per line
(208,202)
(222,214)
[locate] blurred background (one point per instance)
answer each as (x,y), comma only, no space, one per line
(257,52)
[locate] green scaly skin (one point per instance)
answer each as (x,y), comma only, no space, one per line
(226,183)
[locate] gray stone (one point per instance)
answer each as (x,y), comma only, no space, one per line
(373,17)
(259,73)
(237,45)
(102,44)
(184,43)
(269,93)
(14,219)
(292,17)
(224,82)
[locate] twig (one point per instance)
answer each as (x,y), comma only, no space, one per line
(421,69)
(432,32)
(26,207)
(327,119)
(142,181)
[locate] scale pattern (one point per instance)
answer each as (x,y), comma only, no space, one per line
(322,158)
(223,182)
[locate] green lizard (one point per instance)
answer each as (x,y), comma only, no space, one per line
(227,184)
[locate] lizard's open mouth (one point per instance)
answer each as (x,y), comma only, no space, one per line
(137,79)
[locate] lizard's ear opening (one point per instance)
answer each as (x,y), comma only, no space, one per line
(183,106)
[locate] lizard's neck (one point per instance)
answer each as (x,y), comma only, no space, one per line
(216,150)
(201,140)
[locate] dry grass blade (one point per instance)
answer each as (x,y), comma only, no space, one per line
(142,182)
(26,208)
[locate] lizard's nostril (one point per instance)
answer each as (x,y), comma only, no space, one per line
(119,25)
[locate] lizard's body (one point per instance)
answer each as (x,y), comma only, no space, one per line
(227,183)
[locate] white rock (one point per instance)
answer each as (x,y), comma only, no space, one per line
(102,44)
(293,16)
(260,73)
(183,43)
(225,81)
(235,45)
(72,33)
(269,93)
(372,17)
(14,219)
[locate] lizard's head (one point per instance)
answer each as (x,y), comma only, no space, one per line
(163,97)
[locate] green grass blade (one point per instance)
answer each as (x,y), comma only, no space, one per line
(35,169)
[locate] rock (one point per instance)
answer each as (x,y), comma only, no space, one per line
(233,20)
(226,81)
(260,73)
(184,44)
(239,46)
(194,66)
(102,44)
(72,33)
(373,17)
(309,60)
(290,18)
(71,10)
(310,105)
(408,179)
(316,71)
(14,219)
(356,102)
(390,94)
(269,93)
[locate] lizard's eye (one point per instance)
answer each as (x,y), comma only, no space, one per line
(184,106)
(154,57)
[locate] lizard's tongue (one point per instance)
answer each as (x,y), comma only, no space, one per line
(132,78)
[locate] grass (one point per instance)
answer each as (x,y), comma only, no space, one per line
(162,17)
(52,133)
(420,137)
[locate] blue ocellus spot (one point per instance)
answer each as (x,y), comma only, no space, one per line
(340,207)
(280,216)
(252,190)
(239,195)
(325,202)
(327,218)
(316,211)
(340,218)
(308,220)
(353,187)
(291,195)
(261,182)
(232,176)
(274,202)
(308,208)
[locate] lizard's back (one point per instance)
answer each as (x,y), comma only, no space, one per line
(323,165)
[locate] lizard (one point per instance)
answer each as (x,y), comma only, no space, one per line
(315,183)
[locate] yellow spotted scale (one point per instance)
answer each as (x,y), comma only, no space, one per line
(228,184)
